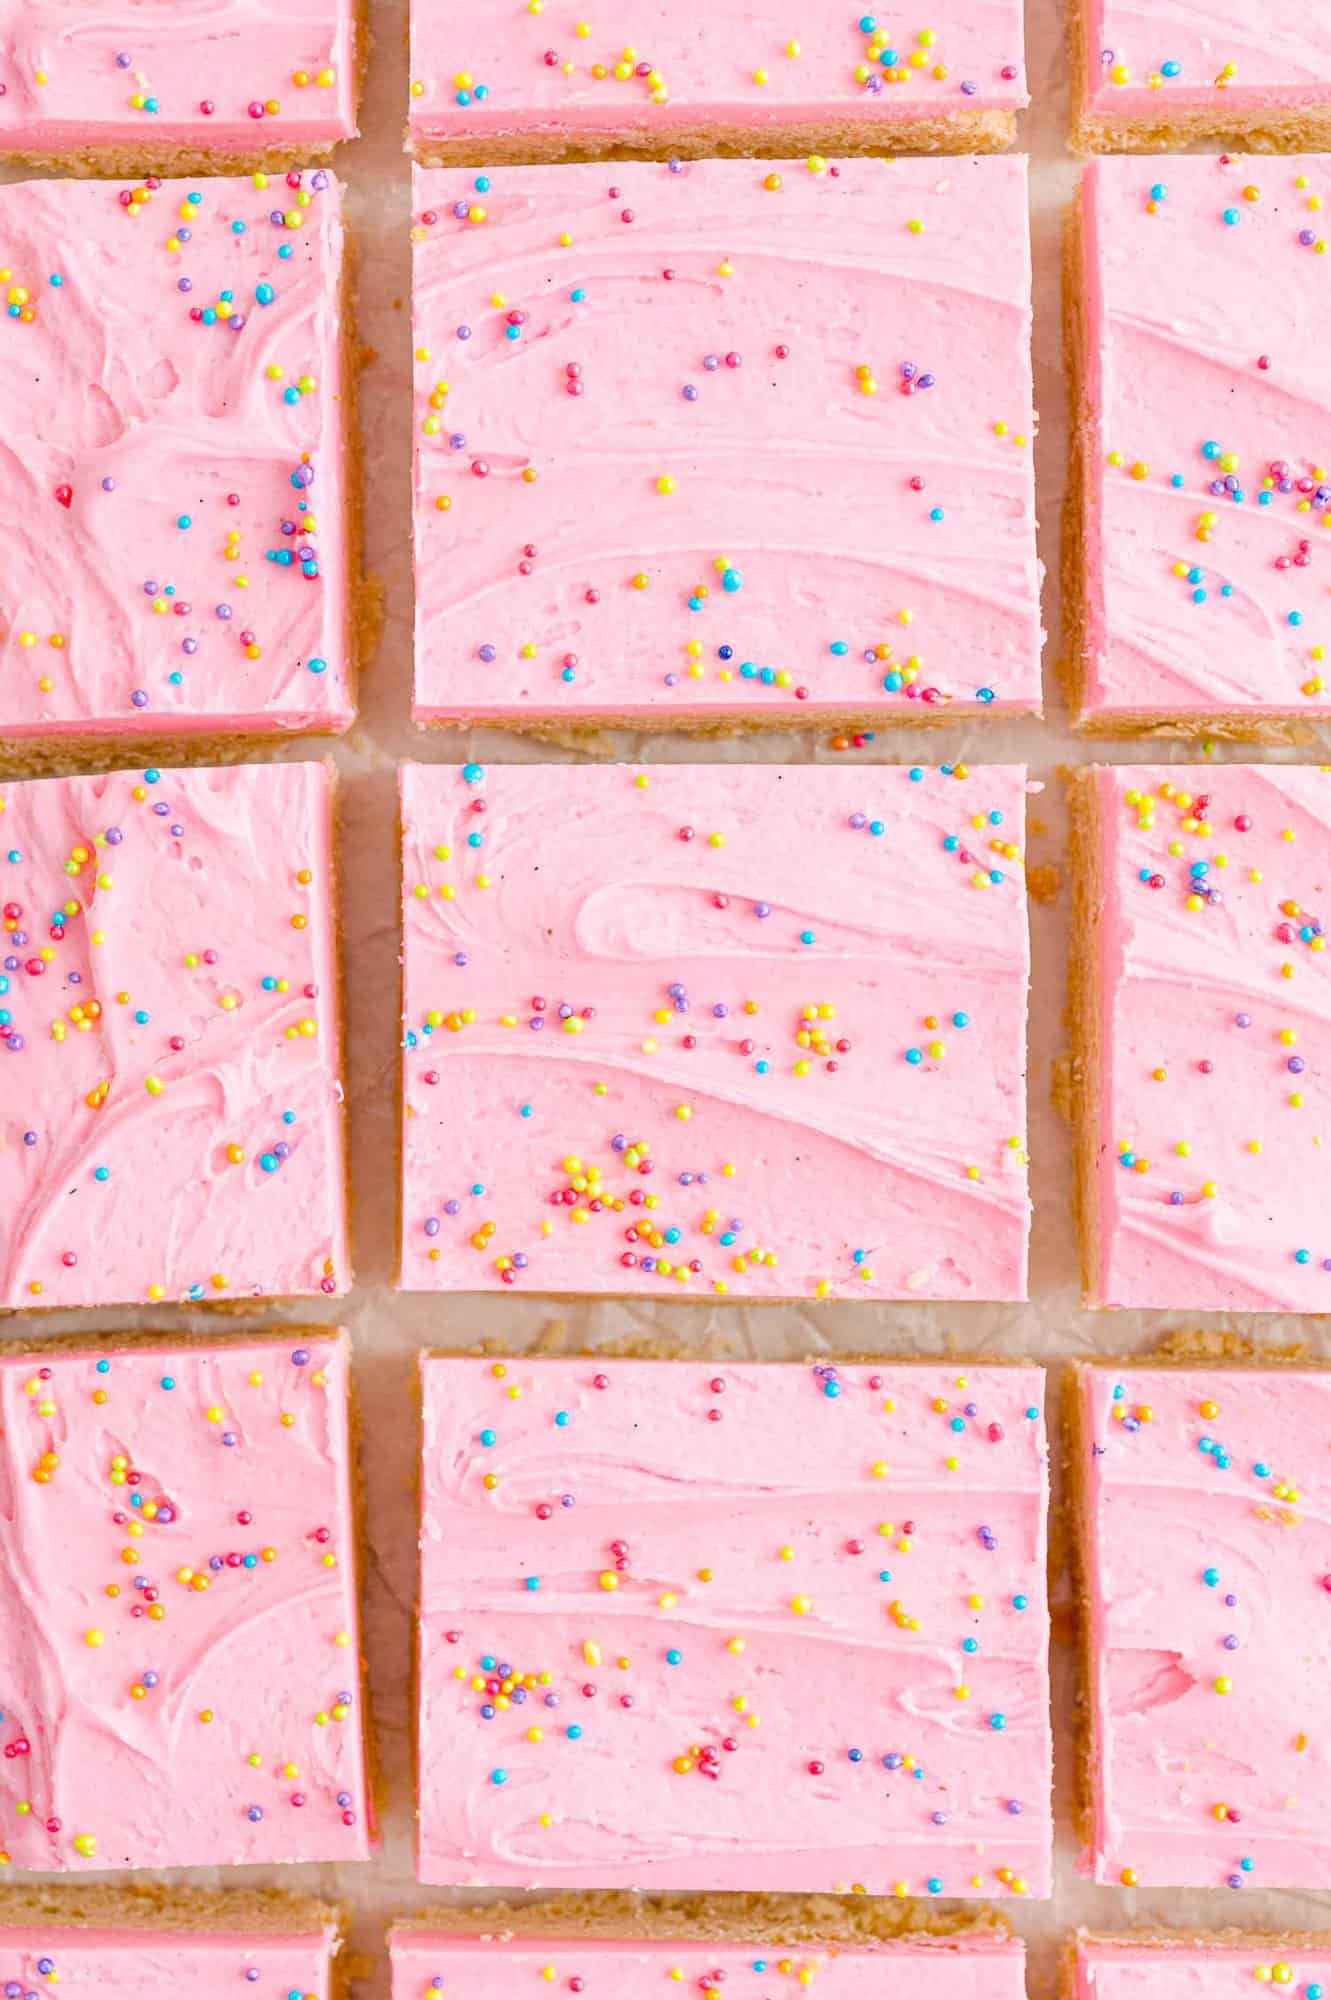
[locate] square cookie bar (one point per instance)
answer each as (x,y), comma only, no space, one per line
(1240,73)
(175,393)
(177,89)
(602,1944)
(1202,483)
(530,82)
(1159,1964)
(1205,1581)
(155,1945)
(183,1685)
(814,1658)
(724,441)
(1202,1035)
(753,1029)
(170,1041)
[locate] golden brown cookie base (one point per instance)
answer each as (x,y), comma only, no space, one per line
(976,132)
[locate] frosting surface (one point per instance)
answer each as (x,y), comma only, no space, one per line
(1209,460)
(162,1964)
(171,1115)
(652,477)
(1213,1181)
(983,1967)
(171,401)
(753,1029)
(180,1670)
(1122,1969)
(215,73)
(1208,1592)
(479,67)
(689,1625)
(1232,57)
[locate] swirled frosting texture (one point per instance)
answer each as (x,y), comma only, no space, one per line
(1194,1967)
(1213,1184)
(1206,1577)
(481,69)
(685,1626)
(179,1662)
(749,1029)
(215,73)
(664,461)
(1229,57)
(981,1967)
(161,1964)
(171,1111)
(171,386)
(1210,413)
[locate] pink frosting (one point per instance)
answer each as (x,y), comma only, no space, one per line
(1208,1604)
(1233,58)
(1206,307)
(180,1656)
(171,1111)
(720,1614)
(1185,1968)
(538,74)
(151,575)
(984,1966)
(1214,1185)
(162,1964)
(752,1029)
(754,439)
(216,73)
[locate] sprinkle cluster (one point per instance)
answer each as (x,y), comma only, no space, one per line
(186,1517)
(158,1962)
(644,1113)
(1214,1113)
(244,76)
(639,65)
(440,1966)
(163,1031)
(184,565)
(807,1660)
(1215,480)
(1212,1641)
(645,479)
